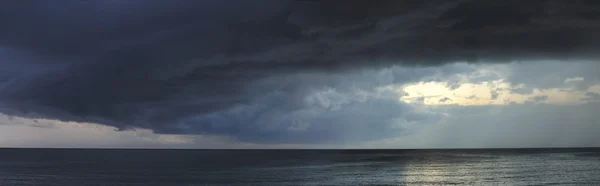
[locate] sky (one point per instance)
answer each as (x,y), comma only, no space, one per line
(299,74)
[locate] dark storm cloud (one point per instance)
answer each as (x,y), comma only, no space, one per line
(159,64)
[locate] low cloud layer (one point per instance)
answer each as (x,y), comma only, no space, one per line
(512,126)
(265,71)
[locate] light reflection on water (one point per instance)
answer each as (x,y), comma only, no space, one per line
(299,168)
(560,168)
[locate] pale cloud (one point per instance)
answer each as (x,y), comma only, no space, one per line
(592,96)
(22,132)
(495,85)
(574,79)
(595,88)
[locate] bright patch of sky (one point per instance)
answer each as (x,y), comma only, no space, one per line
(469,90)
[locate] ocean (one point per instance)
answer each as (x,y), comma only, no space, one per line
(79,167)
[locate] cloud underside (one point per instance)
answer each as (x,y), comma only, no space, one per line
(266,71)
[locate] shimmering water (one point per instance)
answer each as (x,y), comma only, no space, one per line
(300,167)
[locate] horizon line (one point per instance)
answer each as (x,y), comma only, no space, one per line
(248,149)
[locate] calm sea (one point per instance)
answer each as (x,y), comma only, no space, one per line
(300,167)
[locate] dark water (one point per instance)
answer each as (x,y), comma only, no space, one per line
(300,167)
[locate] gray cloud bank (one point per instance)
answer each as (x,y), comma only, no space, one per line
(251,69)
(511,126)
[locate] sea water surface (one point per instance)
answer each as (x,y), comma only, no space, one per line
(80,167)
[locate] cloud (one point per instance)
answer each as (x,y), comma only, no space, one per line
(592,96)
(539,98)
(501,84)
(509,126)
(23,132)
(326,115)
(445,99)
(186,67)
(574,79)
(580,75)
